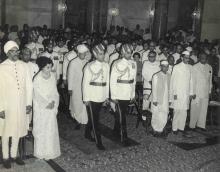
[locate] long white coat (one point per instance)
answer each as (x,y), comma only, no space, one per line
(160,88)
(15,94)
(202,79)
(181,84)
(74,78)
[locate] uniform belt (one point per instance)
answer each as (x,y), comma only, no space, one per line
(60,62)
(147,89)
(125,81)
(101,84)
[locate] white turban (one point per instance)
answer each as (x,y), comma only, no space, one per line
(9,45)
(186,53)
(82,48)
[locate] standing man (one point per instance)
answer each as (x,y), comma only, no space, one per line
(150,67)
(160,99)
(95,92)
(35,47)
(16,99)
(26,57)
(122,88)
(181,92)
(54,56)
(74,79)
(202,83)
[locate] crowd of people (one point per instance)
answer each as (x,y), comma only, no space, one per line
(113,68)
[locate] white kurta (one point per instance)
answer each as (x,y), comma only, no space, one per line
(160,85)
(15,94)
(181,84)
(45,128)
(67,58)
(148,70)
(202,79)
(74,78)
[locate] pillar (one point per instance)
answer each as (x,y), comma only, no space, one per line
(3,12)
(160,19)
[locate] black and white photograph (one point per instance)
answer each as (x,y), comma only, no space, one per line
(109,85)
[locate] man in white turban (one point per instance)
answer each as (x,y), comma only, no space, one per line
(15,105)
(74,79)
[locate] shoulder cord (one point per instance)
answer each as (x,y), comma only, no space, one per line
(96,75)
(123,72)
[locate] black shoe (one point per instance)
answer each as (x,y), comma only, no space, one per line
(201,129)
(18,161)
(116,132)
(90,138)
(125,143)
(100,146)
(77,127)
(7,163)
(175,132)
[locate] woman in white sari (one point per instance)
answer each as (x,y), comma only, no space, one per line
(45,100)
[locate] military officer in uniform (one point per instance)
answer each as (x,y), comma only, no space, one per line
(122,88)
(95,91)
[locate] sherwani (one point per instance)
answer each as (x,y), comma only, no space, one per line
(160,86)
(181,84)
(148,70)
(202,79)
(15,94)
(67,58)
(74,78)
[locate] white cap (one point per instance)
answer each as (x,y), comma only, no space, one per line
(186,53)
(189,49)
(82,48)
(118,45)
(9,45)
(164,62)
